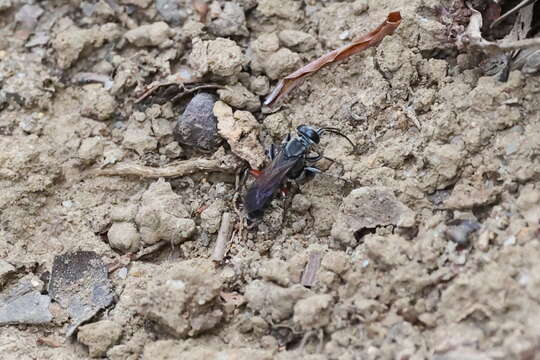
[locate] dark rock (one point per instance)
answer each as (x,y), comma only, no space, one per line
(80,284)
(197,126)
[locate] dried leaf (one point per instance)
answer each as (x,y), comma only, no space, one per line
(373,38)
(518,7)
(473,38)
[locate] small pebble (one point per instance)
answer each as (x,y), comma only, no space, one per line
(344,35)
(459,230)
(510,241)
(122,273)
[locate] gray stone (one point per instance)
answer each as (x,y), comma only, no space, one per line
(24,304)
(231,21)
(197,126)
(171,11)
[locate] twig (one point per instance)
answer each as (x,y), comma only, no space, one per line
(48,341)
(312,267)
(150,249)
(305,339)
(180,84)
(411,115)
(89,77)
(194,89)
(178,169)
(153,88)
(224,235)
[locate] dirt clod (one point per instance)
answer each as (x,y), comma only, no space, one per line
(240,130)
(239,97)
(123,236)
(367,208)
(184,301)
(99,336)
(313,312)
(163,216)
(156,34)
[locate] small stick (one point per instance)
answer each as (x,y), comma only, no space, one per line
(312,267)
(411,115)
(224,235)
(149,250)
(194,89)
(180,168)
(48,341)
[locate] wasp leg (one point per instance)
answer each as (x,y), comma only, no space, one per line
(287,139)
(271,152)
(310,171)
(314,158)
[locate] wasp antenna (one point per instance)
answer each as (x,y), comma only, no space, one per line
(337,132)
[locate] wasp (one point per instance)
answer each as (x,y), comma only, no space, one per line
(292,160)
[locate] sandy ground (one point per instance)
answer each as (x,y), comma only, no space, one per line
(429,251)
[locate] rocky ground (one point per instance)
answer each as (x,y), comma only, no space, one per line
(429,251)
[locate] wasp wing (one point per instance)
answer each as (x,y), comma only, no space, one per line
(261,192)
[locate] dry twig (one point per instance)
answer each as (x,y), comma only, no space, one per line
(149,250)
(224,235)
(177,169)
(178,81)
(371,39)
(312,267)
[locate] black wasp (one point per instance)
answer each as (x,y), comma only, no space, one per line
(291,161)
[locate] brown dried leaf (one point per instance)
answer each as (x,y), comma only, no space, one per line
(361,43)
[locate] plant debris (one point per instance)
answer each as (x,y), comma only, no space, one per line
(309,276)
(224,235)
(361,43)
(473,38)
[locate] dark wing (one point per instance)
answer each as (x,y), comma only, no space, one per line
(261,192)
